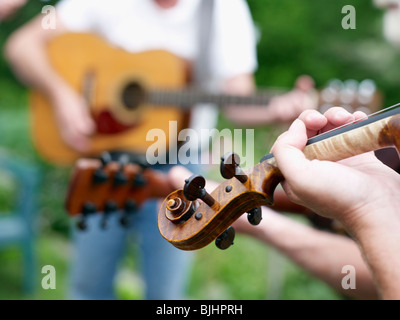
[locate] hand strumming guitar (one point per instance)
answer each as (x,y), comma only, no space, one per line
(72,114)
(35,70)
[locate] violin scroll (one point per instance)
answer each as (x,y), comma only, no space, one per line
(211,217)
(178,208)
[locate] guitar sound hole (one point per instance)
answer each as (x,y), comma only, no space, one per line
(133,95)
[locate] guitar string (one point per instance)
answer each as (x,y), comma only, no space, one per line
(188,98)
(179,92)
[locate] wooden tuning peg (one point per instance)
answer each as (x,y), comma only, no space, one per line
(225,240)
(230,167)
(254,216)
(194,189)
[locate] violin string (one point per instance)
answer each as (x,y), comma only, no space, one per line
(362,119)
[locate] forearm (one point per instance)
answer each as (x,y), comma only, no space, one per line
(321,254)
(380,244)
(385,264)
(26,52)
(243,115)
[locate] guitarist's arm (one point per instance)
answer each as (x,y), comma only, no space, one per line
(281,109)
(9,7)
(322,254)
(33,68)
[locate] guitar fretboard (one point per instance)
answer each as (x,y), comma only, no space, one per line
(188,98)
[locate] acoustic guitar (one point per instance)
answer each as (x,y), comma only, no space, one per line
(129,94)
(191,218)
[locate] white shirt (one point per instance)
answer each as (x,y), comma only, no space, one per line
(140,25)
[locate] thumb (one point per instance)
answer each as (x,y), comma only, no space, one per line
(288,153)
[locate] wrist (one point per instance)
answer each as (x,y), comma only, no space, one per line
(58,90)
(377,231)
(380,246)
(375,219)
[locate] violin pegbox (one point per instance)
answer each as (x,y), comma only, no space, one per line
(230,168)
(193,190)
(192,218)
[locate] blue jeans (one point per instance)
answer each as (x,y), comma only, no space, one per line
(97,252)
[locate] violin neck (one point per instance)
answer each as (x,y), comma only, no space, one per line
(377,135)
(378,132)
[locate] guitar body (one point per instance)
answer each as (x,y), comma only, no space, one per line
(85,60)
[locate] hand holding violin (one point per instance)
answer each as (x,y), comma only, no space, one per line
(352,191)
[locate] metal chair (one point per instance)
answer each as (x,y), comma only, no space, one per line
(18,226)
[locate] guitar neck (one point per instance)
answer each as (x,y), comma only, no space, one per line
(363,97)
(188,98)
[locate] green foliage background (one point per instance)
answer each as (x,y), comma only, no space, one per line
(296,37)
